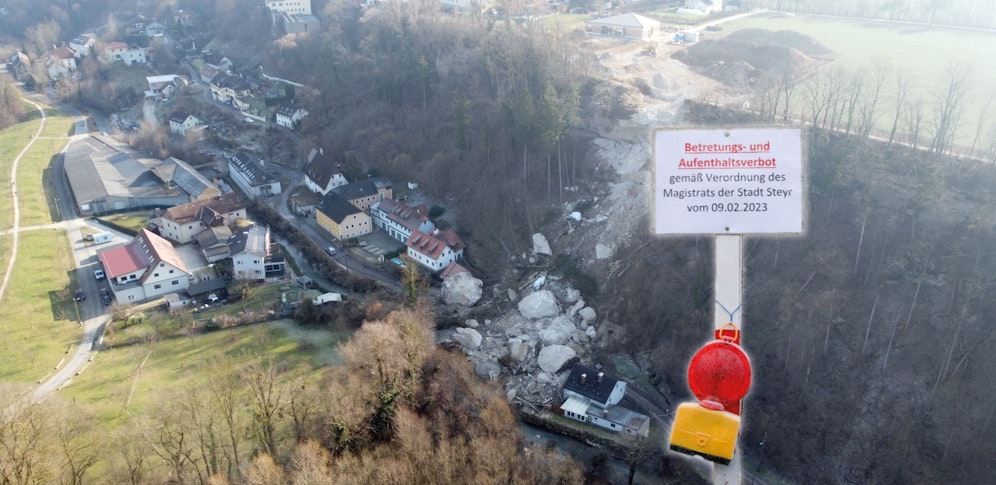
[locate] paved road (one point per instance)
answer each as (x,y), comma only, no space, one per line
(90,313)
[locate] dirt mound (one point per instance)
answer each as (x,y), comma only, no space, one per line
(745,56)
(786,38)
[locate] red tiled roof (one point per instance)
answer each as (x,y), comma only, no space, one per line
(122,260)
(223,204)
(147,249)
(161,249)
(426,244)
(453,269)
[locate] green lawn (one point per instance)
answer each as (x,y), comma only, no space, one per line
(12,141)
(925,53)
(38,314)
(136,377)
(135,221)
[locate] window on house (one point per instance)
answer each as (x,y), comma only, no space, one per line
(176,282)
(157,287)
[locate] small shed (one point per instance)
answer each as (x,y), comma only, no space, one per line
(627,25)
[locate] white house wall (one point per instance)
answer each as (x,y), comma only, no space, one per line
(248,266)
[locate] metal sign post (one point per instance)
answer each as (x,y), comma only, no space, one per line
(728,183)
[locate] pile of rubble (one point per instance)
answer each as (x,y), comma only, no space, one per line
(550,329)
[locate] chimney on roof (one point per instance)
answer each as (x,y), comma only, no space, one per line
(584,377)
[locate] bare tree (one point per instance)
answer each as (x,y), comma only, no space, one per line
(949,105)
(902,89)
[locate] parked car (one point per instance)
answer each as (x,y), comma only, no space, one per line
(330,250)
(104,295)
(79,296)
(98,274)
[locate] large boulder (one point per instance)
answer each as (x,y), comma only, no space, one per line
(487,370)
(468,338)
(603,251)
(552,358)
(539,304)
(518,350)
(559,332)
(587,314)
(462,289)
(540,245)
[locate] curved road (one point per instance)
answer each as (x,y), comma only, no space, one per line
(90,311)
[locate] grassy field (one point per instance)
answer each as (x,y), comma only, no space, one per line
(12,141)
(134,378)
(924,53)
(38,315)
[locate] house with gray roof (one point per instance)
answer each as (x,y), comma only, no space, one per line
(591,396)
(340,218)
(249,175)
(107,176)
(254,257)
(322,174)
(627,25)
(365,193)
(176,172)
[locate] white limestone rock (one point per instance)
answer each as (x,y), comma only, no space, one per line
(468,338)
(462,289)
(558,332)
(519,350)
(587,314)
(552,358)
(603,251)
(540,304)
(540,245)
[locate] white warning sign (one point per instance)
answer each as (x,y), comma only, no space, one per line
(736,181)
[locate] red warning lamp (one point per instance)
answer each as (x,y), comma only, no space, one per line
(720,372)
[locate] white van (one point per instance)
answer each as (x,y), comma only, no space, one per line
(101,238)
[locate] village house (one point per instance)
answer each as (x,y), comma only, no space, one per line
(299,23)
(280,7)
(591,396)
(627,25)
(181,121)
(248,174)
(435,250)
(254,257)
(60,62)
(231,89)
(183,223)
(213,242)
(122,52)
(399,220)
(288,115)
(155,29)
(161,86)
(321,174)
(82,45)
(174,172)
(148,267)
(342,219)
(365,193)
